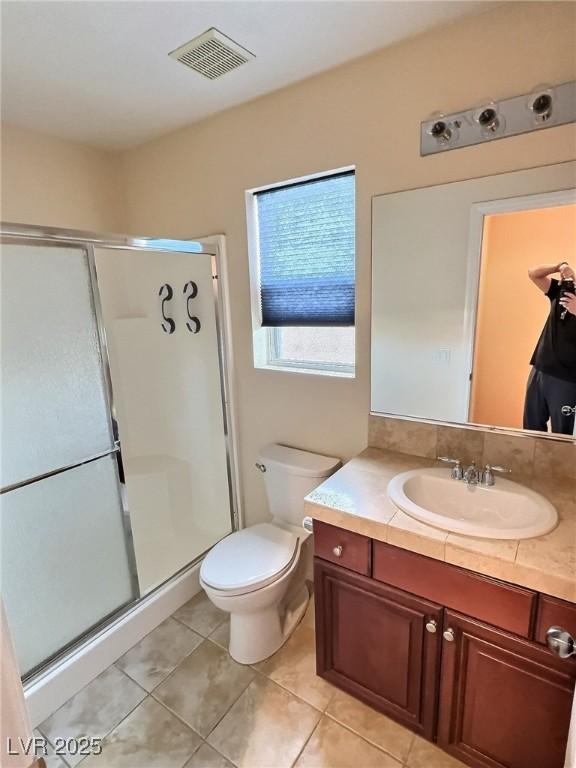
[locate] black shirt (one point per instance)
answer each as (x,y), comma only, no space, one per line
(555,352)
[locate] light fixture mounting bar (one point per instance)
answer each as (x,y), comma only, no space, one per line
(545,107)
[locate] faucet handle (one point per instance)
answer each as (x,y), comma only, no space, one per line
(457,472)
(496,468)
(488,476)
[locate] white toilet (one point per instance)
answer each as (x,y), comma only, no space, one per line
(258,574)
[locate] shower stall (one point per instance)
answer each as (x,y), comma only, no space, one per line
(117,457)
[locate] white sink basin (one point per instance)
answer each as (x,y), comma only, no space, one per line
(505,510)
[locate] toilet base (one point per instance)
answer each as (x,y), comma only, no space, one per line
(256,636)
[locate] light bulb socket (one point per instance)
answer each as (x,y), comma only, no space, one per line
(444,132)
(541,104)
(489,119)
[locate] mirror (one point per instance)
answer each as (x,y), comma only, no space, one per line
(463,330)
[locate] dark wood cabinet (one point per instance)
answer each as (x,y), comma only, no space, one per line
(488,692)
(503,701)
(372,642)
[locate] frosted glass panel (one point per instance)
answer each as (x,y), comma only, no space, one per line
(167,394)
(64,565)
(53,397)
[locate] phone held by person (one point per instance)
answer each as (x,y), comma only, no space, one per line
(566,287)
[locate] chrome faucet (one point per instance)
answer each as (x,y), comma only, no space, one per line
(487,476)
(456,473)
(471,476)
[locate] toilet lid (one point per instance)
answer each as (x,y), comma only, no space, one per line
(252,557)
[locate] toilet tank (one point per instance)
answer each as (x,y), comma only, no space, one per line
(290,474)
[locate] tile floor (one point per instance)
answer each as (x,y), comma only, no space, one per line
(177,700)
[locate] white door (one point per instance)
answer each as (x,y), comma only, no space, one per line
(168,403)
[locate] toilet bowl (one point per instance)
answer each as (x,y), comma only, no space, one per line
(258,574)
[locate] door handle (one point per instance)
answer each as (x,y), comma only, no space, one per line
(193,323)
(166,293)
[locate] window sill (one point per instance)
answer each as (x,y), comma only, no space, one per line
(331,373)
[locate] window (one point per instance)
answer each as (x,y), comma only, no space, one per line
(302,258)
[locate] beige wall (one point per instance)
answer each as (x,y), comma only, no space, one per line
(58,183)
(366,114)
(511,310)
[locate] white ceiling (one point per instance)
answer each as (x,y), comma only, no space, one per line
(99,72)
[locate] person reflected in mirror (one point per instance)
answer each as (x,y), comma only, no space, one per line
(552,380)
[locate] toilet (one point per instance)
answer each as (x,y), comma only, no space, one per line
(258,574)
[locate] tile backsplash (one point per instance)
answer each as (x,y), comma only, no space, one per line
(525,455)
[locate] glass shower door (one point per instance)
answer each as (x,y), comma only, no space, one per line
(161,328)
(65,559)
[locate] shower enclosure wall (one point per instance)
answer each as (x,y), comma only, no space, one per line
(116,463)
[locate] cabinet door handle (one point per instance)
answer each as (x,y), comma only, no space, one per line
(338,550)
(448,635)
(431,626)
(560,642)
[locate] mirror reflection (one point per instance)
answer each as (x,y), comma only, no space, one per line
(474,302)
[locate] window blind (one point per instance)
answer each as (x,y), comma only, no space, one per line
(306,243)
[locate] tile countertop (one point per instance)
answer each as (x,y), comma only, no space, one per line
(355,498)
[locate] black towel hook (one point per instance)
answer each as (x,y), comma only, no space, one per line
(193,323)
(166,293)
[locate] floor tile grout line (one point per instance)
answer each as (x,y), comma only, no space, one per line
(226,712)
(117,724)
(257,673)
(170,674)
(176,715)
(312,732)
(107,733)
(149,696)
(164,679)
(410,750)
(43,735)
(204,742)
(369,741)
(183,623)
(187,759)
(179,717)
(180,621)
(291,692)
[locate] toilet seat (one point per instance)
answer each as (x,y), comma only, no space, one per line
(249,559)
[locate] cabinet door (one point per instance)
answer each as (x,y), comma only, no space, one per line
(504,702)
(373,643)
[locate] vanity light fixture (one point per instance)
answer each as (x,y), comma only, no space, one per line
(546,106)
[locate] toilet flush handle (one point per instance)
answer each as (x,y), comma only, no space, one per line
(261,467)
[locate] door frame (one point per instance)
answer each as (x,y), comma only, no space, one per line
(475,241)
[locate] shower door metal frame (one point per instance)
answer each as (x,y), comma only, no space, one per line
(88,242)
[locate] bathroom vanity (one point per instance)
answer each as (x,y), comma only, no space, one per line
(457,654)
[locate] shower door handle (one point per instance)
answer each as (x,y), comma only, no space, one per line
(166,293)
(193,323)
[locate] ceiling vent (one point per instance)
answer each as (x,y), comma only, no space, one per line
(212,54)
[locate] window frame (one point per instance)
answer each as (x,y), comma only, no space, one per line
(266,341)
